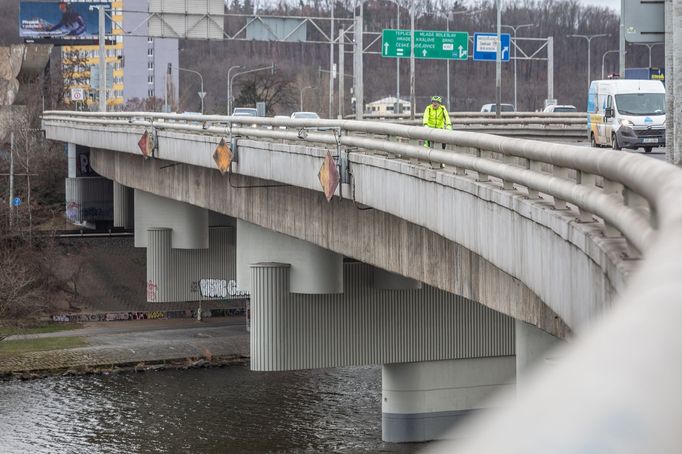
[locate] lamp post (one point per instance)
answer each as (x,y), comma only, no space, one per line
(230,81)
(603,58)
(514,30)
(649,46)
(413,101)
(202,93)
(589,39)
(227,83)
(398,106)
(302,90)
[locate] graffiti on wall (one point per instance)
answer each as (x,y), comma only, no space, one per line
(213,288)
(73,211)
(148,315)
(219,288)
(152,289)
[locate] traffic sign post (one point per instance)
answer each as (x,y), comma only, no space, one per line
(485,46)
(428,44)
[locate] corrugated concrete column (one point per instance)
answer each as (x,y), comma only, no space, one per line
(314,270)
(189,223)
(89,199)
(364,325)
(269,315)
(421,401)
(391,281)
(175,275)
(124,213)
(534,348)
(159,264)
(71,150)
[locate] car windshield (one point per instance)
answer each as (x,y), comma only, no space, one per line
(641,103)
(565,109)
(306,115)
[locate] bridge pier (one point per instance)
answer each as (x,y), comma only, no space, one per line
(313,270)
(422,401)
(124,212)
(534,348)
(188,223)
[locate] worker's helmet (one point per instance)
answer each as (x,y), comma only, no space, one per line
(436,99)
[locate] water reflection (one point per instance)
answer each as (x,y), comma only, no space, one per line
(198,411)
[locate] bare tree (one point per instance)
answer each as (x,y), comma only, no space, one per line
(276,90)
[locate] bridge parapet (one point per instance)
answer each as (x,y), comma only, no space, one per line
(626,193)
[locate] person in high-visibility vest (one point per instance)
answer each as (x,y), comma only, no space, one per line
(436,116)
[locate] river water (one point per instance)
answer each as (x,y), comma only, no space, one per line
(216,410)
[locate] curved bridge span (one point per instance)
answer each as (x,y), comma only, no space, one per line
(547,234)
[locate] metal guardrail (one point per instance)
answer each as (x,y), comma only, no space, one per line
(627,193)
(560,125)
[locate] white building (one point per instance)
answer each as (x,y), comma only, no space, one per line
(386,106)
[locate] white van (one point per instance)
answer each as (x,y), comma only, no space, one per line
(626,114)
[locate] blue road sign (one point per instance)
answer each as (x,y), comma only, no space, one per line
(16,201)
(485,46)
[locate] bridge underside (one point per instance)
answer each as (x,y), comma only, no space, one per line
(367,235)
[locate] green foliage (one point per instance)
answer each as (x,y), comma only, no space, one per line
(13,347)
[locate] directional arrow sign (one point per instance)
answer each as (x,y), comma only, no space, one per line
(428,44)
(485,46)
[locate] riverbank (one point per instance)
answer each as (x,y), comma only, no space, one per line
(134,345)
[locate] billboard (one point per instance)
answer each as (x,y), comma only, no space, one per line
(193,19)
(60,20)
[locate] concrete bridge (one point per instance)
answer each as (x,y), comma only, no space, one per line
(455,269)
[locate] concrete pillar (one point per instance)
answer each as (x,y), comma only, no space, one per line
(71,149)
(421,401)
(124,213)
(534,348)
(178,275)
(189,223)
(270,284)
(314,270)
(391,281)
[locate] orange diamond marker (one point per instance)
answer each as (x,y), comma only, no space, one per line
(145,144)
(329,177)
(223,156)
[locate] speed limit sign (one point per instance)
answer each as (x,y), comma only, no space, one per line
(77,94)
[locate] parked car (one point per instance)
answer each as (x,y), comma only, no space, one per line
(244,112)
(493,108)
(305,115)
(560,108)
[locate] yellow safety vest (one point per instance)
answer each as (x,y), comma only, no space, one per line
(436,118)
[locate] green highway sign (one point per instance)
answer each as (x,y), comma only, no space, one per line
(428,44)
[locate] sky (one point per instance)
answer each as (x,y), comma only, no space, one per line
(613,4)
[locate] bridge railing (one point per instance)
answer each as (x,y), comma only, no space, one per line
(541,125)
(628,194)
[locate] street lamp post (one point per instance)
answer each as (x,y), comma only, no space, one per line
(302,90)
(447,63)
(649,46)
(202,93)
(398,106)
(514,30)
(231,79)
(603,59)
(413,101)
(227,82)
(589,39)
